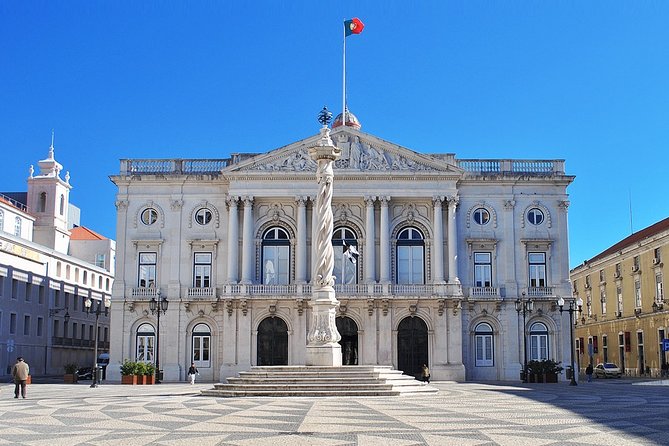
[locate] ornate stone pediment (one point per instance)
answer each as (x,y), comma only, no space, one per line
(361,152)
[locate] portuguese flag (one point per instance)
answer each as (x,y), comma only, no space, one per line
(353,26)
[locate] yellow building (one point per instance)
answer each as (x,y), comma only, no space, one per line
(624,318)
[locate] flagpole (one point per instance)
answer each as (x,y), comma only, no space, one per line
(343,88)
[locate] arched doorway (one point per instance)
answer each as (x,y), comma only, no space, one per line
(411,345)
(348,330)
(272,342)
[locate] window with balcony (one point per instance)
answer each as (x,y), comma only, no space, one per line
(637,294)
(345,246)
(483,341)
(410,256)
(602,300)
(147,269)
(537,269)
(276,257)
(202,270)
(588,303)
(659,289)
(619,294)
(482,269)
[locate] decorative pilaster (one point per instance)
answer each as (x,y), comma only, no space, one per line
(248,253)
(322,338)
(384,237)
(233,239)
(370,249)
(438,256)
(301,248)
(452,241)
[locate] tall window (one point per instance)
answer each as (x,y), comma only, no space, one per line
(345,248)
(202,270)
(482,269)
(26,325)
(637,294)
(538,342)
(145,343)
(659,289)
(276,257)
(605,348)
(619,294)
(147,269)
(17,226)
(588,303)
(201,345)
(410,256)
(12,323)
(618,272)
(62,204)
(2,220)
(100,260)
(483,340)
(42,202)
(537,267)
(602,300)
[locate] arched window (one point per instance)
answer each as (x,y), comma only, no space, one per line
(483,342)
(59,269)
(62,204)
(275,257)
(201,345)
(538,342)
(42,202)
(481,216)
(345,248)
(410,256)
(146,338)
(17,227)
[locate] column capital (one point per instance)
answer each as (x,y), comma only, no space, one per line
(370,199)
(453,200)
(301,200)
(437,199)
(248,200)
(384,199)
(231,200)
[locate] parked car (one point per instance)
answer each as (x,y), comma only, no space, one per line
(607,370)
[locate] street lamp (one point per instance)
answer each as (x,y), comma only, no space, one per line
(573,307)
(158,306)
(88,303)
(525,306)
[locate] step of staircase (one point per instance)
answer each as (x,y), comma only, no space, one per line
(317,381)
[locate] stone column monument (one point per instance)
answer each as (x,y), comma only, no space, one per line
(322,339)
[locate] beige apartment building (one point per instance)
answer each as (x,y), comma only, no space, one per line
(624,318)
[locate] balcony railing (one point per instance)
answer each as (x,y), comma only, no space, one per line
(201,292)
(484,291)
(144,292)
(540,291)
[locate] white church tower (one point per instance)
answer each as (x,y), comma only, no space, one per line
(48,200)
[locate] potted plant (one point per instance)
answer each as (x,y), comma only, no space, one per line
(140,371)
(70,376)
(128,372)
(544,371)
(150,373)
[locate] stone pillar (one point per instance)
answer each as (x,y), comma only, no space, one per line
(370,248)
(384,240)
(322,339)
(248,252)
(452,241)
(233,239)
(438,251)
(301,248)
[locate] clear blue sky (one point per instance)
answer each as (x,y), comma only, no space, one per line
(581,80)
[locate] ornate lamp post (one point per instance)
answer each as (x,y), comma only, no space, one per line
(158,306)
(88,303)
(525,306)
(573,307)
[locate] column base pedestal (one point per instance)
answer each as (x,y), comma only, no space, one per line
(326,355)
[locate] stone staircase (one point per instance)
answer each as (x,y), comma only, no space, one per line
(314,381)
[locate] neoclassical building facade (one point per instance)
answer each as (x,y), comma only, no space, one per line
(431,254)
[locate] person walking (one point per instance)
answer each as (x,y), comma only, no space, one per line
(20,372)
(192,371)
(588,372)
(425,374)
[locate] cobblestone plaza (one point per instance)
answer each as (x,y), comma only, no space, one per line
(613,412)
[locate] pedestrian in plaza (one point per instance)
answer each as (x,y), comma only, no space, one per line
(425,374)
(20,372)
(192,371)
(588,372)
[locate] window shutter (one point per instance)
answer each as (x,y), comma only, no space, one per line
(628,342)
(595,345)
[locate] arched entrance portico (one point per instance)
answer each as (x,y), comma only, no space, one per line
(411,345)
(272,342)
(348,330)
